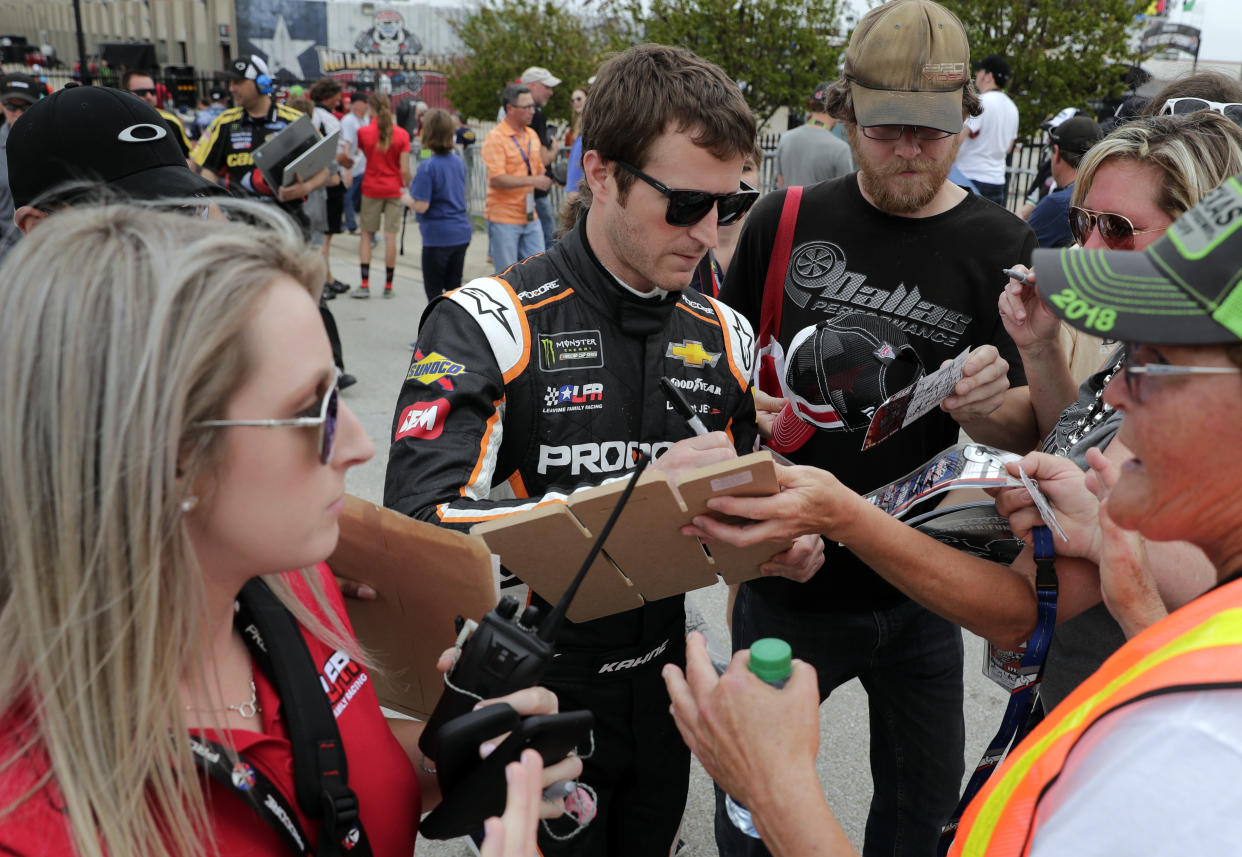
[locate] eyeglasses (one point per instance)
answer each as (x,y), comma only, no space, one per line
(1144,361)
(688,207)
(15,105)
(1182,106)
(530,106)
(893,133)
(141,92)
(326,421)
(1116,230)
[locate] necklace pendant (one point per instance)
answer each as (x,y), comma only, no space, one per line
(248,709)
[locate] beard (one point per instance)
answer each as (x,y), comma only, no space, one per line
(894,193)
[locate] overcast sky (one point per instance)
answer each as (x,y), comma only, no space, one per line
(1221,23)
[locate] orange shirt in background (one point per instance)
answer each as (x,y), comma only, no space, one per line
(503,150)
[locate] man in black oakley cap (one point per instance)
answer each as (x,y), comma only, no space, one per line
(87,136)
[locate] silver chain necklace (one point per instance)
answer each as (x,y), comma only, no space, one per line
(1099,410)
(246,709)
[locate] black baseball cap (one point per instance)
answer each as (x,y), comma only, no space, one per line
(23,86)
(98,134)
(1185,289)
(997,65)
(1077,135)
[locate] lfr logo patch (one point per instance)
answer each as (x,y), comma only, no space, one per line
(423,420)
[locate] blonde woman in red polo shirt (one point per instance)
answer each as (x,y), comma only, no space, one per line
(159,472)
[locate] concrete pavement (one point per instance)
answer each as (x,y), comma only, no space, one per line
(376,334)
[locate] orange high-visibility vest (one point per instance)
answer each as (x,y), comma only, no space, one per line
(1195,647)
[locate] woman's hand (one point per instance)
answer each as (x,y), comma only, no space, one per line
(1026,317)
(526,702)
(1064,486)
(514,833)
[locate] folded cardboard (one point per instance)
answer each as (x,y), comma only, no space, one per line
(645,557)
(424,575)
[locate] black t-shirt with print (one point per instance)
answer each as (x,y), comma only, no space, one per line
(938,278)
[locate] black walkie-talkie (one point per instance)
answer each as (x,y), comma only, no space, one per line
(505,654)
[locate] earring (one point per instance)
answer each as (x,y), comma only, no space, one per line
(188,504)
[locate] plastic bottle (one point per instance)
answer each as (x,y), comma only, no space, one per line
(771,660)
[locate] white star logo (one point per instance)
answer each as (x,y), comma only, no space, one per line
(283,51)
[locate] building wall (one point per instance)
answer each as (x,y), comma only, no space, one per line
(183,31)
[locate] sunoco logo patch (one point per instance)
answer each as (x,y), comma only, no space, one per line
(574,349)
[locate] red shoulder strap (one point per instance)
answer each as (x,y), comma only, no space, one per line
(774,284)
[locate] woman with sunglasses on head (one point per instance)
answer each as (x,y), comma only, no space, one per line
(163,467)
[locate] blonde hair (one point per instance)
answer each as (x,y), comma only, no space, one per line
(1193,152)
(127,327)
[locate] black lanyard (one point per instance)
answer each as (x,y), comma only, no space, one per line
(320,770)
(1015,723)
(525,154)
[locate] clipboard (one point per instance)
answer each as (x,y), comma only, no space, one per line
(425,576)
(283,148)
(645,557)
(313,160)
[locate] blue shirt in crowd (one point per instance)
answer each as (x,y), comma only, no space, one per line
(1050,219)
(575,166)
(441,182)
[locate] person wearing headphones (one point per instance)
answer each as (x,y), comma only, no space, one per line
(226,151)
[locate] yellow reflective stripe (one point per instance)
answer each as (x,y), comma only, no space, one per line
(1222,629)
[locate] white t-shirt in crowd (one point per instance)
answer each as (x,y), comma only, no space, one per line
(349,133)
(1161,777)
(982,157)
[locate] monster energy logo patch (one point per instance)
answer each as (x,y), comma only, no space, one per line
(574,349)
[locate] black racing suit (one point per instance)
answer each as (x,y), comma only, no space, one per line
(546,377)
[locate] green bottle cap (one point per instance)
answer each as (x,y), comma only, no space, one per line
(771,659)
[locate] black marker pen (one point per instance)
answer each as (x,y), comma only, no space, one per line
(681,406)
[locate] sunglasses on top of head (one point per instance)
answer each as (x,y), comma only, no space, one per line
(688,207)
(326,421)
(1116,230)
(1182,106)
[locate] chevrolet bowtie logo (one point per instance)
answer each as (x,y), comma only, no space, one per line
(692,353)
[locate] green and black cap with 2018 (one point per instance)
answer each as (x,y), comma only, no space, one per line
(1184,289)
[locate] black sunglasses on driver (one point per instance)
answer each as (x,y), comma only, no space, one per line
(688,207)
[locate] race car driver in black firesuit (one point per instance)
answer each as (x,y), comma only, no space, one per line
(546,377)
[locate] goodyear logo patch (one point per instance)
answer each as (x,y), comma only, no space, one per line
(573,349)
(432,368)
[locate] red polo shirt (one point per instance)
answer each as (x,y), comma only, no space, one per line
(379,771)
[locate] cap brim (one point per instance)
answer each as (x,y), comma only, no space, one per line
(939,110)
(789,432)
(23,94)
(167,182)
(1123,294)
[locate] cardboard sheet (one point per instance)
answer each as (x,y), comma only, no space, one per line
(425,576)
(645,557)
(546,550)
